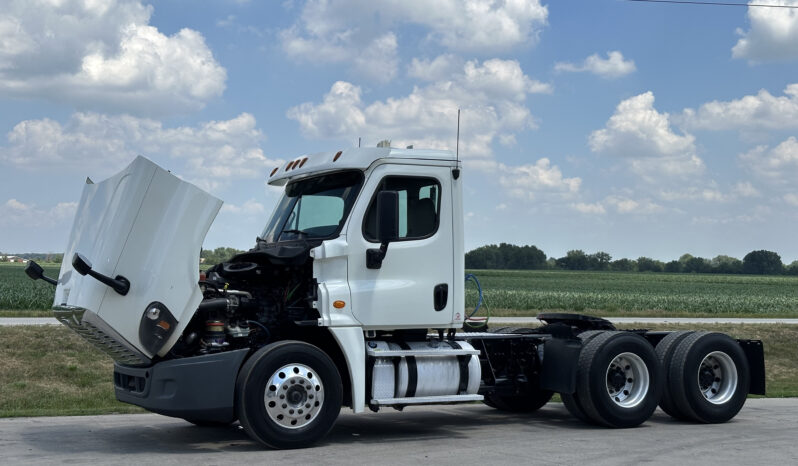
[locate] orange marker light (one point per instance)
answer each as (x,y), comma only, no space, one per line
(337,156)
(339,304)
(164,325)
(274,171)
(303,162)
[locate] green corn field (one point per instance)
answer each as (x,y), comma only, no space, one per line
(528,292)
(18,292)
(617,293)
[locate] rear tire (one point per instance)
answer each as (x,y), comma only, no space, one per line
(665,349)
(289,395)
(618,380)
(571,400)
(709,377)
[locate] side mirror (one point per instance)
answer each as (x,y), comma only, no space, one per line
(36,272)
(387,227)
(81,264)
(387,216)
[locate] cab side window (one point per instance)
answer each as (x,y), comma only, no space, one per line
(419,207)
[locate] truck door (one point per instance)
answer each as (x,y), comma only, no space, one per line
(413,286)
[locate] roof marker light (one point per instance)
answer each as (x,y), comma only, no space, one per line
(337,156)
(274,171)
(302,164)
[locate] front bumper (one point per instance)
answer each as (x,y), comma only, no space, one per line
(199,388)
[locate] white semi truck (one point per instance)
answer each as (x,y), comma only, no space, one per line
(353,296)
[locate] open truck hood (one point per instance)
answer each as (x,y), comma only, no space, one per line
(145,225)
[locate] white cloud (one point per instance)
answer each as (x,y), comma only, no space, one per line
(643,136)
(526,181)
(334,31)
(14,213)
(778,165)
(760,111)
(614,66)
(214,152)
(791,199)
(694,194)
(745,189)
(625,205)
(249,207)
(773,34)
(440,68)
(585,208)
(491,95)
(104,55)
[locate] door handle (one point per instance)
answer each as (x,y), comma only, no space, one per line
(441,296)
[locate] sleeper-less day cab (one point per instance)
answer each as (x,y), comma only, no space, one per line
(353,295)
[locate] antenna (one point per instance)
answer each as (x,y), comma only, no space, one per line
(457,150)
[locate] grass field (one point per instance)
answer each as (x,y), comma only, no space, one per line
(49,371)
(516,293)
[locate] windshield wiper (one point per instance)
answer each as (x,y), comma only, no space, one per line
(296,232)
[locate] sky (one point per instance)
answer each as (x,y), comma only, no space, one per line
(639,129)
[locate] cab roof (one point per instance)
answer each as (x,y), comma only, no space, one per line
(354,158)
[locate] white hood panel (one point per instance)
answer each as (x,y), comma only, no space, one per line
(147,225)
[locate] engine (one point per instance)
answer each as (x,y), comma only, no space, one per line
(253,300)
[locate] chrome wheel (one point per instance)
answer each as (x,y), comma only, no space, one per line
(294,396)
(627,380)
(717,377)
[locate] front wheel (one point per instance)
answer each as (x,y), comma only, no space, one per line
(289,395)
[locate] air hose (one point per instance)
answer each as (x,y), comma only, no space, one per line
(470,320)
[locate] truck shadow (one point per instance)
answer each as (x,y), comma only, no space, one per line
(103,434)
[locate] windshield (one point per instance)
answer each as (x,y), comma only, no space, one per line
(314,207)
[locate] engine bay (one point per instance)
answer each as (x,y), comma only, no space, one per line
(256,298)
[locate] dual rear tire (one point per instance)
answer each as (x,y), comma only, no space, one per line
(695,376)
(618,381)
(707,376)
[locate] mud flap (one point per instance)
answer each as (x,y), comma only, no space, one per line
(560,360)
(755,354)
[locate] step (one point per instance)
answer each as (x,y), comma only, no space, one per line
(378,353)
(426,400)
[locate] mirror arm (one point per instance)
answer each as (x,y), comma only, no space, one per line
(375,256)
(82,266)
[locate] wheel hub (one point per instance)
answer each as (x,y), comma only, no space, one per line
(717,377)
(294,396)
(627,380)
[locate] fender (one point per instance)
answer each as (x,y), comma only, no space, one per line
(353,346)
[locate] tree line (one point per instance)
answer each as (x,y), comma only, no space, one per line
(218,255)
(512,257)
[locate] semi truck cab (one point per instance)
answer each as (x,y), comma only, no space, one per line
(353,295)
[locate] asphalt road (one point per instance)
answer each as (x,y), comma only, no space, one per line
(763,433)
(10,321)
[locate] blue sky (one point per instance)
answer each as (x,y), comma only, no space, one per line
(634,128)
